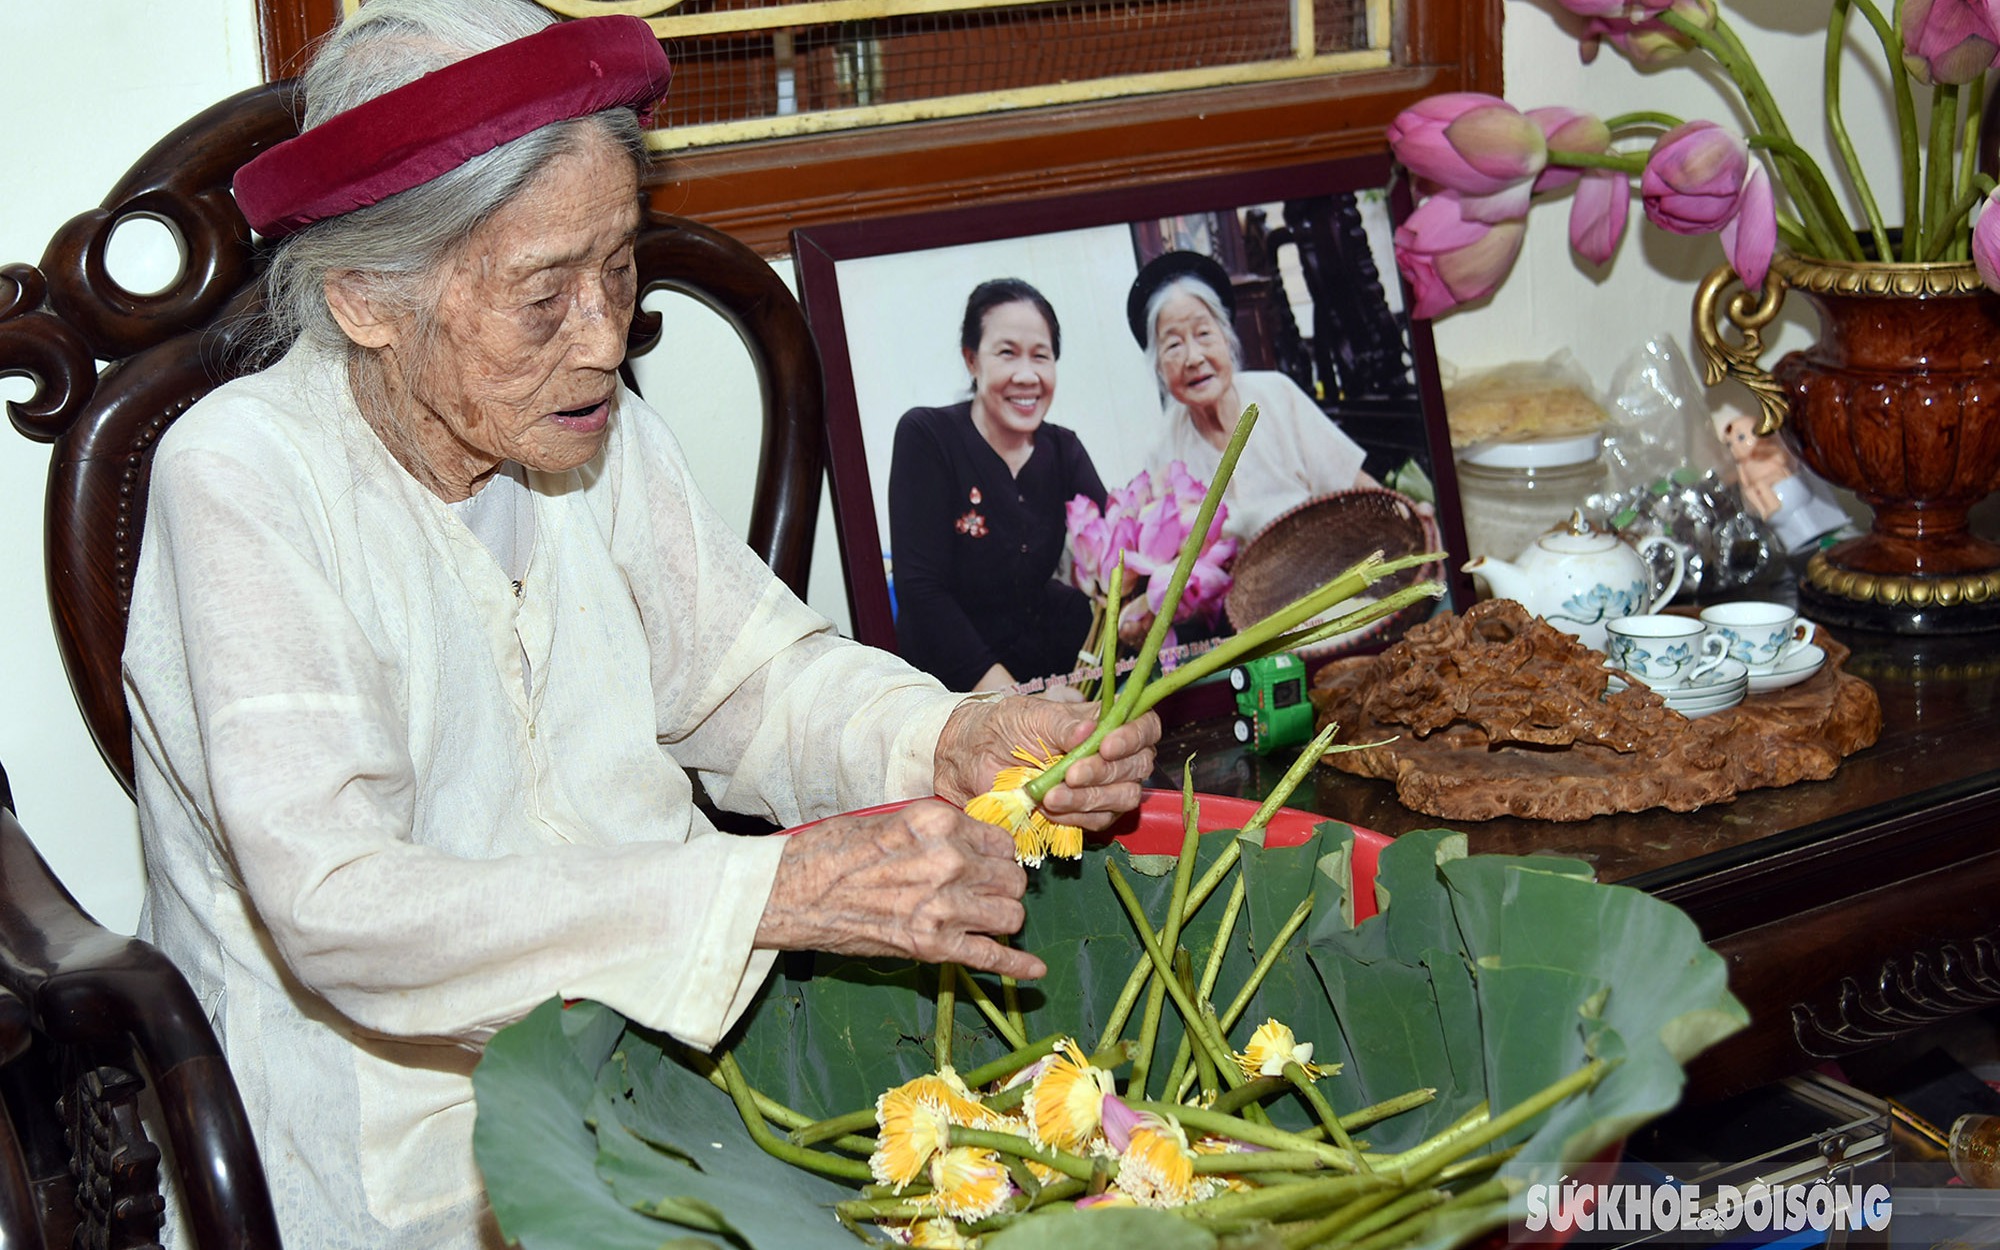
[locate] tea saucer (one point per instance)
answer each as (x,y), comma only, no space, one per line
(1789,671)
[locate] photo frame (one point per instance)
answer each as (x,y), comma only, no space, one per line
(1318,311)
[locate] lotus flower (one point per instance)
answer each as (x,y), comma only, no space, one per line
(1476,145)
(1144,524)
(1639,33)
(1597,214)
(1567,130)
(1986,242)
(1449,260)
(1949,41)
(1752,235)
(1694,178)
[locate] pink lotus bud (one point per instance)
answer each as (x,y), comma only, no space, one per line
(1119,1120)
(1636,30)
(1477,145)
(1948,41)
(1449,260)
(1752,234)
(1597,215)
(1694,178)
(1986,242)
(1567,130)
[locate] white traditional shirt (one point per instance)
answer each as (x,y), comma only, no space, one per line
(1296,454)
(389,804)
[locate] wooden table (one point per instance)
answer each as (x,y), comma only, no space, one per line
(1851,911)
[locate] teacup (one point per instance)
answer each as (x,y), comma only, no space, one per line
(1758,632)
(1662,650)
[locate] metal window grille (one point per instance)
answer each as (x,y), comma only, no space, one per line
(760,69)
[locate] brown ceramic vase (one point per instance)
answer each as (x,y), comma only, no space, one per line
(1899,402)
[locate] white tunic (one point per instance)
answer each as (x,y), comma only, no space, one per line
(1296,454)
(369,845)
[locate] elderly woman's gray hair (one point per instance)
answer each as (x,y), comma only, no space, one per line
(1187,284)
(399,246)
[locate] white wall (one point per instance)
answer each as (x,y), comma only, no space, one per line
(92,82)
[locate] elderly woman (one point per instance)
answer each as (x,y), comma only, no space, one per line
(1182,311)
(977,492)
(431,623)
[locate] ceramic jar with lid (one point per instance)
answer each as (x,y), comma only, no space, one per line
(1513,492)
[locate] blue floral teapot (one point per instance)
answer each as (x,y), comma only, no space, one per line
(1577,577)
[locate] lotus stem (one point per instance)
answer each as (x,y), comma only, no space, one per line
(1968,161)
(1223,1124)
(1107,638)
(1492,1194)
(1170,929)
(1275,948)
(1296,1074)
(771,1143)
(1623,162)
(1370,1214)
(1429,1162)
(1937,161)
(1285,1202)
(854,1121)
(1641,117)
(1375,1113)
(994,1016)
(1836,125)
(1176,1086)
(1021,1148)
(1231,1162)
(1312,635)
(947,1007)
(1007,1065)
(1218,1050)
(1282,792)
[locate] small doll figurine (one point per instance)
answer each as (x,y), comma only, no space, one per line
(1761,463)
(1793,501)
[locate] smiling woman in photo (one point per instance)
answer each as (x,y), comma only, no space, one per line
(976,497)
(1181,311)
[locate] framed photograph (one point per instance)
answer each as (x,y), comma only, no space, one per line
(1019,393)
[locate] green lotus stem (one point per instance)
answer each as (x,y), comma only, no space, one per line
(1937,161)
(771,1143)
(1281,792)
(1176,1086)
(1055,1191)
(1010,998)
(1231,1162)
(774,1111)
(1264,632)
(1906,122)
(1793,237)
(1256,1089)
(1492,1194)
(1623,162)
(1836,124)
(1473,1167)
(1429,1162)
(1473,1118)
(1389,605)
(1392,1215)
(1218,1050)
(947,1007)
(884,1209)
(1641,117)
(1204,1067)
(1126,706)
(1945,240)
(1107,638)
(994,1016)
(1170,929)
(1375,1113)
(1296,1074)
(1968,160)
(1222,1124)
(1817,188)
(1007,1065)
(1241,1003)
(1019,1147)
(1128,997)
(1284,1202)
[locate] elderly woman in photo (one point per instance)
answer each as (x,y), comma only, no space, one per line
(1181,310)
(431,625)
(976,497)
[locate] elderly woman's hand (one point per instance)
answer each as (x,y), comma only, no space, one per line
(925,881)
(979,740)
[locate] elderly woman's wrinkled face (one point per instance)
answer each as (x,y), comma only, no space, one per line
(531,323)
(1195,363)
(1014,370)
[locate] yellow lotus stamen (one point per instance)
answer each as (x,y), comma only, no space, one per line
(937,1232)
(1272,1046)
(969,1183)
(913,1129)
(1007,805)
(913,1119)
(1210,1145)
(1157,1168)
(1065,1105)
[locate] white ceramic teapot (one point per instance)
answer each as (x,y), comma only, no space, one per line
(1577,577)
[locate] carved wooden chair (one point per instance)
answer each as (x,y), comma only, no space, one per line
(87,999)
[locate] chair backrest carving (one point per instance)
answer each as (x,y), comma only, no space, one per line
(164,351)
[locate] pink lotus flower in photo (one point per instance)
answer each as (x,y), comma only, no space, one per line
(1449,260)
(1478,146)
(1694,179)
(1144,524)
(1949,41)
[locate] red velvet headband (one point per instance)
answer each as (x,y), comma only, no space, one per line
(406,137)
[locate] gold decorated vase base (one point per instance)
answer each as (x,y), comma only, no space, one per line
(1900,603)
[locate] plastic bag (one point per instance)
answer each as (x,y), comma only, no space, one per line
(1525,399)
